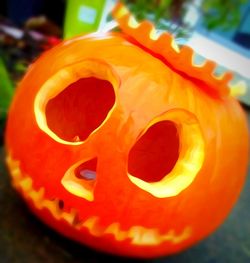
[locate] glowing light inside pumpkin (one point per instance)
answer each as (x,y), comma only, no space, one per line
(133,23)
(138,235)
(80,108)
(190,159)
(80,179)
(74,79)
(155,153)
(122,10)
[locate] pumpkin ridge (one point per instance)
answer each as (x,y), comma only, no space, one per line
(163,47)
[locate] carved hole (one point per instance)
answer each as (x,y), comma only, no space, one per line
(80,108)
(61,204)
(87,170)
(80,179)
(155,154)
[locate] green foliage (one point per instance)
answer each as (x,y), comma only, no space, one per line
(165,14)
(220,14)
(216,14)
(6,90)
(157,10)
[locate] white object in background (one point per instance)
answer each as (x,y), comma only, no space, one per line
(224,56)
(105,26)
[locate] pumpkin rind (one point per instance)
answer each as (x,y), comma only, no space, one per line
(121,217)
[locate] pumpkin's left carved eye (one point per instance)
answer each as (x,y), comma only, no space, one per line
(76,101)
(155,153)
(168,155)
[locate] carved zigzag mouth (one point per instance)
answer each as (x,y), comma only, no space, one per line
(138,235)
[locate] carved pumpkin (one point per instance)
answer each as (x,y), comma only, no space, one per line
(119,142)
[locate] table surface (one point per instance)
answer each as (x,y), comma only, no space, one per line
(24,239)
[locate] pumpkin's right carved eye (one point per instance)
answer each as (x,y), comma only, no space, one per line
(76,101)
(168,155)
(80,108)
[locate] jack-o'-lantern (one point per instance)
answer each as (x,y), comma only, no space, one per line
(120,142)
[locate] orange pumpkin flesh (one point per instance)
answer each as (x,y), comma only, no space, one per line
(119,147)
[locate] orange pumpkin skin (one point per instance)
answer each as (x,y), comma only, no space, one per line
(118,214)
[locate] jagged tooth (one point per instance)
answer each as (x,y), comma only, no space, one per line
(112,229)
(138,234)
(12,163)
(16,173)
(150,237)
(175,238)
(144,236)
(91,225)
(37,197)
(135,233)
(169,236)
(26,184)
(77,223)
(147,237)
(186,233)
(69,217)
(14,167)
(116,231)
(51,206)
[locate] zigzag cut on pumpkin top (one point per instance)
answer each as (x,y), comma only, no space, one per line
(163,47)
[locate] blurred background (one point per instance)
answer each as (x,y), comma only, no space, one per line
(216,29)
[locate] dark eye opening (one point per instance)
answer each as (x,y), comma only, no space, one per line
(80,108)
(155,154)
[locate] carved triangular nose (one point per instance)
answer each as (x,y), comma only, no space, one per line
(80,179)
